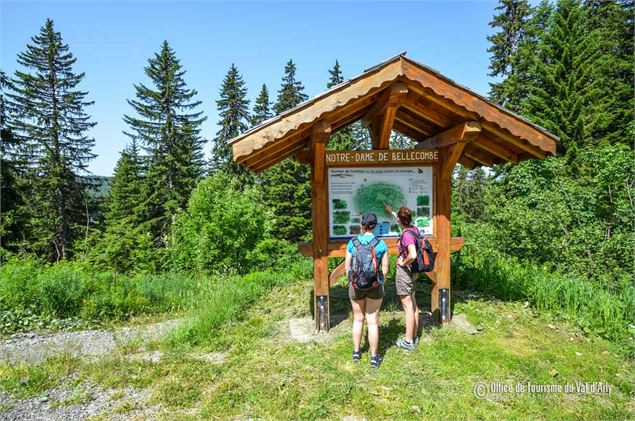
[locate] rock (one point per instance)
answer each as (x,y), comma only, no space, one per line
(460,322)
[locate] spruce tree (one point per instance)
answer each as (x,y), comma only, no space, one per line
(564,96)
(125,189)
(612,22)
(505,60)
(288,184)
(162,110)
(125,241)
(233,109)
(49,123)
(11,191)
(262,107)
(343,138)
(336,76)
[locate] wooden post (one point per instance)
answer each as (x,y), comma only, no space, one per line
(319,216)
(456,140)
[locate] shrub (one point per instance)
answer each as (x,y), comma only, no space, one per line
(221,227)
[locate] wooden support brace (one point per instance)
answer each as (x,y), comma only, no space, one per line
(465,132)
(381,116)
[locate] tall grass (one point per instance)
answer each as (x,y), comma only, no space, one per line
(593,308)
(37,295)
(226,299)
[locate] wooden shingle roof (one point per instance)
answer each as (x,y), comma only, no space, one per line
(426,104)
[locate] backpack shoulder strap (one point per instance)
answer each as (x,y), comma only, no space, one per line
(414,232)
(373,243)
(356,243)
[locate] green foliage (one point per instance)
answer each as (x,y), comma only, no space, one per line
(233,109)
(580,225)
(49,125)
(68,294)
(286,186)
(588,304)
(262,107)
(222,225)
(170,134)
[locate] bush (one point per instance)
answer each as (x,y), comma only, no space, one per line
(223,225)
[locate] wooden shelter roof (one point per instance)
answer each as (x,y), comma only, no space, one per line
(424,106)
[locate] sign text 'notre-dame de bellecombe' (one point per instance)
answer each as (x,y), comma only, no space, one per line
(348,158)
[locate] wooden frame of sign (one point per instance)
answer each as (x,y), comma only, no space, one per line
(323,247)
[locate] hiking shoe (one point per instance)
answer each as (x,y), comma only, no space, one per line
(415,340)
(375,361)
(357,356)
(403,343)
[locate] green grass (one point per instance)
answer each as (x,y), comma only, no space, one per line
(266,375)
(591,307)
(69,295)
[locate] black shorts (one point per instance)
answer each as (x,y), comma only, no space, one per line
(376,293)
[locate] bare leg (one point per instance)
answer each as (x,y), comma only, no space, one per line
(408,308)
(416,313)
(372,318)
(359,308)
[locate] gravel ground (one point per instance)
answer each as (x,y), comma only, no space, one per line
(79,402)
(33,348)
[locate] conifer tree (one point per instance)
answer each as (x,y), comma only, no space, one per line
(162,110)
(125,244)
(262,107)
(49,123)
(233,109)
(505,60)
(343,138)
(564,95)
(612,22)
(11,191)
(126,186)
(287,184)
(336,76)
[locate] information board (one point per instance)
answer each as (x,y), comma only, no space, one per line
(354,191)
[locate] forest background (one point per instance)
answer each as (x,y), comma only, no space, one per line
(557,232)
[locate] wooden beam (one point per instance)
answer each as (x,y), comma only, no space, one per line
(427,110)
(467,162)
(279,156)
(495,148)
(391,96)
(416,122)
(409,131)
(337,248)
(479,156)
(517,142)
(465,132)
(304,156)
(442,229)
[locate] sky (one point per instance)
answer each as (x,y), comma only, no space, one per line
(113,40)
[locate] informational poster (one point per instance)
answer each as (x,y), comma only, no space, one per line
(356,190)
